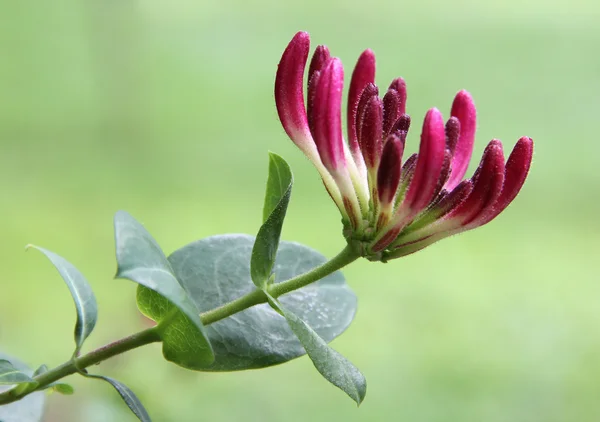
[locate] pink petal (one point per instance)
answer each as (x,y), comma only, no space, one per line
(388,174)
(463,108)
(327,115)
(289,94)
(487,186)
(430,162)
(363,74)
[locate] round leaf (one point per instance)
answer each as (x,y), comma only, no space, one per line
(216,270)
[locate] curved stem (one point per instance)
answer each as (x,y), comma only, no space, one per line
(152,335)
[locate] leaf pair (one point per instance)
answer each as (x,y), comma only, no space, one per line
(332,365)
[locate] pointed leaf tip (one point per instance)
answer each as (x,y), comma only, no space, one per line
(277,197)
(83,296)
(128,396)
(334,367)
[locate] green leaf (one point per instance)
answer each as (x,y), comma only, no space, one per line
(279,182)
(277,198)
(141,260)
(29,408)
(83,296)
(334,367)
(59,387)
(127,395)
(216,270)
(11,375)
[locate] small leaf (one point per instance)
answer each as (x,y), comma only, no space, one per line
(62,388)
(83,296)
(216,270)
(127,395)
(11,375)
(30,408)
(59,387)
(277,198)
(334,367)
(141,260)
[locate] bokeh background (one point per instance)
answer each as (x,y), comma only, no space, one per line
(165,109)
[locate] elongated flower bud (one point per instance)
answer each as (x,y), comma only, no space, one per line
(289,92)
(487,185)
(463,108)
(394,104)
(388,175)
(363,74)
(370,132)
(517,168)
(429,164)
(327,115)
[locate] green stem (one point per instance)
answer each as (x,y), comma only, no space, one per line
(152,335)
(141,338)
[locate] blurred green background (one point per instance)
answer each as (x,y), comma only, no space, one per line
(165,109)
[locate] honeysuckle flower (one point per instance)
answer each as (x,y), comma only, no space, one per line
(390,208)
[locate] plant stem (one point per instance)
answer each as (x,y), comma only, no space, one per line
(141,338)
(257,296)
(152,335)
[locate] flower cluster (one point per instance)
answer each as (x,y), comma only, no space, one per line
(389,208)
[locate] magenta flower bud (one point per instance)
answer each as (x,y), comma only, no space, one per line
(388,175)
(370,132)
(289,93)
(517,168)
(429,164)
(401,126)
(463,108)
(394,104)
(327,115)
(389,208)
(363,74)
(487,185)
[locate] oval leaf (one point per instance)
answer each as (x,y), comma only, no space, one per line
(277,198)
(29,408)
(334,367)
(141,260)
(128,397)
(216,270)
(83,296)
